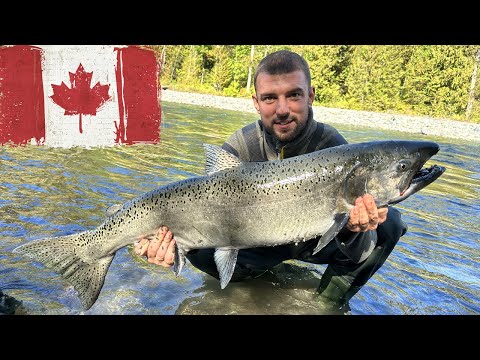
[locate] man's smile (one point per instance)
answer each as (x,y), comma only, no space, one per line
(285,124)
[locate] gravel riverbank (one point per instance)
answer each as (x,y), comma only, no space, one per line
(412,124)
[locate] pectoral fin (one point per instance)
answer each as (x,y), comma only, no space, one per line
(339,223)
(225,259)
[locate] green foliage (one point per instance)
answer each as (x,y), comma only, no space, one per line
(375,76)
(240,63)
(191,67)
(438,79)
(431,80)
(221,73)
(324,67)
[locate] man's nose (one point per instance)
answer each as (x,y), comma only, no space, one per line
(282,108)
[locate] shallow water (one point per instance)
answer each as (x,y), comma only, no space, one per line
(51,192)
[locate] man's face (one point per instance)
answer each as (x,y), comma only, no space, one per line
(283,101)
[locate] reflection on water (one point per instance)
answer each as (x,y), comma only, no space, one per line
(47,192)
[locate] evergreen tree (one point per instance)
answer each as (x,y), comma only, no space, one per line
(221,74)
(437,80)
(434,80)
(375,76)
(191,68)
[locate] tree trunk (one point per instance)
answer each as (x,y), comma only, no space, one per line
(249,80)
(163,58)
(471,94)
(174,63)
(191,65)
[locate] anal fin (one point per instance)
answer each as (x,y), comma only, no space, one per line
(225,259)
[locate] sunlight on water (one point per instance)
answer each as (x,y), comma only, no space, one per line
(50,192)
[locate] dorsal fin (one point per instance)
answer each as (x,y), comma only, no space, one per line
(112,209)
(218,159)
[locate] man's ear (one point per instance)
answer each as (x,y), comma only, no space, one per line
(255,103)
(311,95)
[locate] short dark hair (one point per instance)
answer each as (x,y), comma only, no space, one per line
(282,62)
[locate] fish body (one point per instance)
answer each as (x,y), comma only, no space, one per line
(244,205)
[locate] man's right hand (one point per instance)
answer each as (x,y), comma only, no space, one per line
(160,250)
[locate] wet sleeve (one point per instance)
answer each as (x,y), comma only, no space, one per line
(356,246)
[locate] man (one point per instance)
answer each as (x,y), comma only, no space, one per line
(283,98)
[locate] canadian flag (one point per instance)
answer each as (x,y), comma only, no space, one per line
(79,95)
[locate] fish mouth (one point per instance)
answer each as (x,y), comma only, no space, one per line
(422,178)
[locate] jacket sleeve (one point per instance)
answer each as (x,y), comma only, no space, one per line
(356,246)
(243,141)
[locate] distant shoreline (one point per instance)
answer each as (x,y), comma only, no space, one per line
(396,122)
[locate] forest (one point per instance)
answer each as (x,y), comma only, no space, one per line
(438,81)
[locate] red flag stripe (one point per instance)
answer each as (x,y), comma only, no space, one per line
(137,85)
(22,110)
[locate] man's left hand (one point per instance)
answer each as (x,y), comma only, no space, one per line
(365,215)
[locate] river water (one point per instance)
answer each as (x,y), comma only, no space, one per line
(434,269)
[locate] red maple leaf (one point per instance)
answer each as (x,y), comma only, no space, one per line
(80,99)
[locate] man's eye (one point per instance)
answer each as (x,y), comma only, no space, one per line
(268,99)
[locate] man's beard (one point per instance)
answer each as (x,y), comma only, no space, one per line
(290,135)
(286,136)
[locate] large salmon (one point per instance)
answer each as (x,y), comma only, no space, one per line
(243,205)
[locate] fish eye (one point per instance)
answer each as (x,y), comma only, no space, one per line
(403,165)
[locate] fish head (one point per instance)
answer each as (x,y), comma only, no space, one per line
(391,171)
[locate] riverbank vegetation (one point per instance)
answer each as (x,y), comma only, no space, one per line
(440,81)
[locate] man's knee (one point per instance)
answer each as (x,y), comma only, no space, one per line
(203,259)
(392,229)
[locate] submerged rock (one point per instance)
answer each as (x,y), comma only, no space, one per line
(10,306)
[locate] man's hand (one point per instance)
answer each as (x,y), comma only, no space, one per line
(365,216)
(160,250)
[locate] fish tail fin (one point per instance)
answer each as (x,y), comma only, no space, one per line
(65,256)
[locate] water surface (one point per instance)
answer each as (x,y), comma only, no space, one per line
(52,192)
